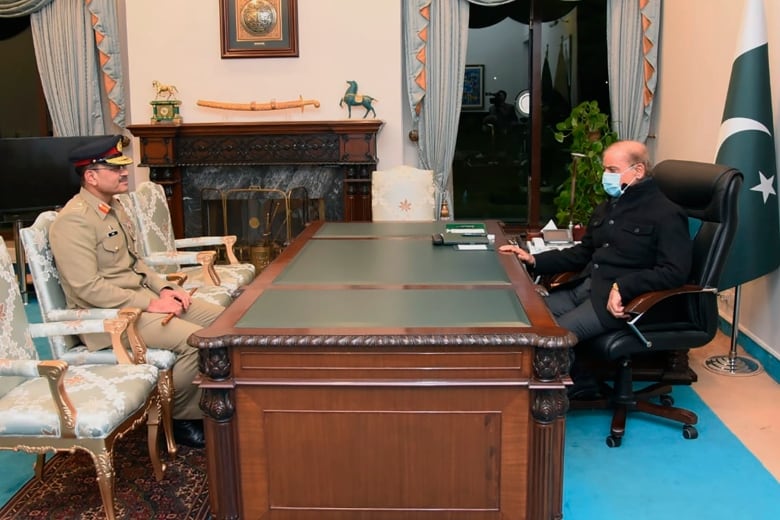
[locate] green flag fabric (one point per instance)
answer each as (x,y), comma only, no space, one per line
(746,142)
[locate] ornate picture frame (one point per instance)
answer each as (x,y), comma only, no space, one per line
(473,88)
(259,28)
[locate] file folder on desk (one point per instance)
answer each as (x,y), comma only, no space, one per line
(465,229)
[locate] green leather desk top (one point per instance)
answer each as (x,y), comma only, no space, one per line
(338,284)
(381,229)
(392,308)
(390,261)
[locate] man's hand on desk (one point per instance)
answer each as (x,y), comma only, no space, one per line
(521,253)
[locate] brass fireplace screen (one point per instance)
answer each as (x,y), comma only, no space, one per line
(264,220)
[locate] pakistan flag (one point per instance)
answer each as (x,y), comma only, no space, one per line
(747,142)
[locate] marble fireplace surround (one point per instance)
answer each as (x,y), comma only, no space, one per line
(333,160)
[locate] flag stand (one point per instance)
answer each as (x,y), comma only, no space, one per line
(731,364)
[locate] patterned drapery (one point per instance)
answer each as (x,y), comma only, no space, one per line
(436,35)
(633,29)
(77,51)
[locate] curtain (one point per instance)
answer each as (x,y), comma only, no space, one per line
(106,35)
(632,48)
(436,38)
(14,8)
(78,55)
(65,52)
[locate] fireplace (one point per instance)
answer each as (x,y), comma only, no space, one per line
(331,160)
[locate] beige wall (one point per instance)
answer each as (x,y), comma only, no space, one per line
(178,42)
(698,42)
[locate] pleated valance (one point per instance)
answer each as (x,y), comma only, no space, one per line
(13,8)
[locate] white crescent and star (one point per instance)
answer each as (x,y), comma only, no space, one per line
(733,126)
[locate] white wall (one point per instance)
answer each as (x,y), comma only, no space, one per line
(698,42)
(178,42)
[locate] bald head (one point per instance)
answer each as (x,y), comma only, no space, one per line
(627,155)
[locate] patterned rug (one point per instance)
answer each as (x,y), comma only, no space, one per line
(69,489)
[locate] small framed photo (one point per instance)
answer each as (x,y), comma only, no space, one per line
(259,28)
(474,88)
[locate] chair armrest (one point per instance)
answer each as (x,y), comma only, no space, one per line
(177,278)
(56,315)
(123,320)
(229,241)
(554,280)
(206,259)
(637,307)
(54,372)
(644,302)
(19,367)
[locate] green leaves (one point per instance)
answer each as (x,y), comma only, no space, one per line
(587,131)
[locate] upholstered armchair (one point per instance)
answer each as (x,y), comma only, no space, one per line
(67,345)
(676,319)
(199,274)
(403,193)
(51,405)
(162,251)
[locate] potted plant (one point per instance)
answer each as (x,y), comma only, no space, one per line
(588,133)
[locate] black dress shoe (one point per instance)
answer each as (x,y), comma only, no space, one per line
(189,433)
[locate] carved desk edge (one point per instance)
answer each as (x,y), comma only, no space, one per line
(550,362)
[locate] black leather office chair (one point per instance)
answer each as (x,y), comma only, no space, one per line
(677,319)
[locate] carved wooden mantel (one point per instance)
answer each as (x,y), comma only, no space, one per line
(348,145)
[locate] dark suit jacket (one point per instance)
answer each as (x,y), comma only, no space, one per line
(639,240)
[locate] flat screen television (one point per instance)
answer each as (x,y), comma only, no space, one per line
(35,173)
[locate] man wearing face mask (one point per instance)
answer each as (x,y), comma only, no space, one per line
(636,241)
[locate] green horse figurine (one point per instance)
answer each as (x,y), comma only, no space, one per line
(353,99)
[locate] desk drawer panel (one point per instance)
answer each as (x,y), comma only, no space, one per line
(383,453)
(276,365)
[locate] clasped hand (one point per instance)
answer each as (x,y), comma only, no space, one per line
(170,301)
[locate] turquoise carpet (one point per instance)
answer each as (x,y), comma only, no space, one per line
(654,475)
(658,475)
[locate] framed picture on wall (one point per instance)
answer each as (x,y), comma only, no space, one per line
(474,88)
(259,28)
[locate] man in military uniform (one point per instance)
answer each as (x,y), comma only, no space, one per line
(94,246)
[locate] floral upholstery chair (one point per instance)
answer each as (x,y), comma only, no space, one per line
(403,193)
(68,347)
(204,277)
(157,242)
(52,406)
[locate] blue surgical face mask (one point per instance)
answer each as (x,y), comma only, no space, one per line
(611,183)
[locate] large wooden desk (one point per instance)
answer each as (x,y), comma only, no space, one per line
(367,374)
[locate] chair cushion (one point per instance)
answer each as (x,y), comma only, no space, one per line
(102,395)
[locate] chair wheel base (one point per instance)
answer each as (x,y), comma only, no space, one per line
(613,441)
(690,432)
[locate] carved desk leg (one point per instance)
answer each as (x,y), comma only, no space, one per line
(548,412)
(218,406)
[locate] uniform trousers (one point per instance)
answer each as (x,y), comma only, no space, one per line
(573,309)
(173,336)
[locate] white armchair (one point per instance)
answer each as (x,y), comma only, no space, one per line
(53,406)
(66,345)
(163,252)
(403,193)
